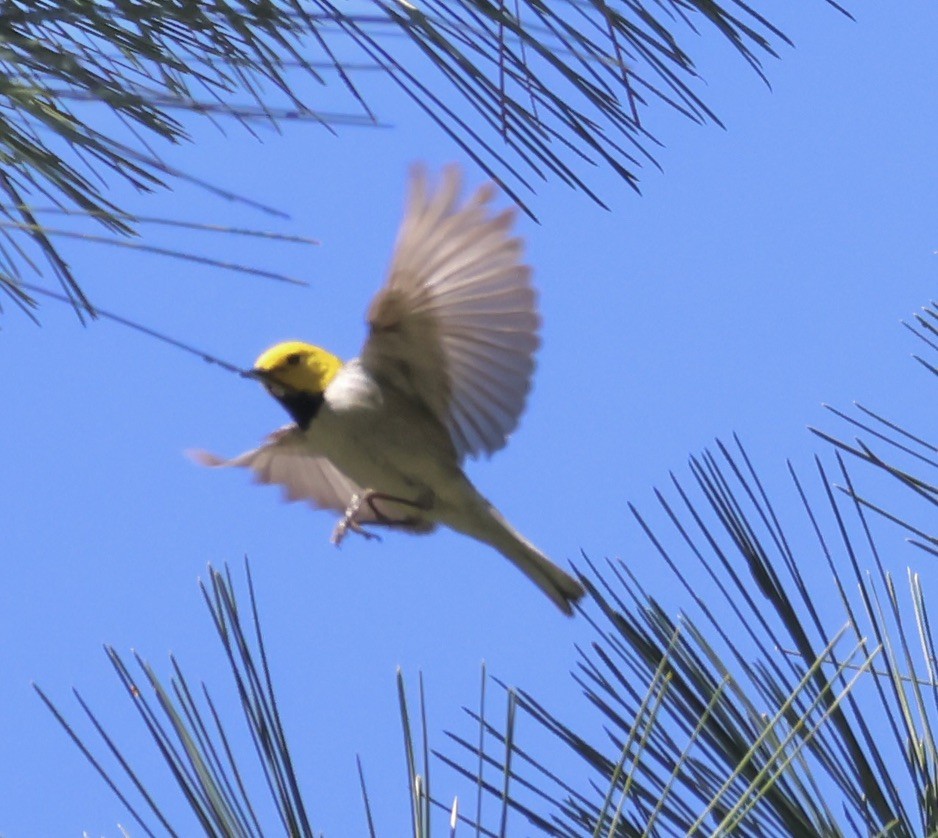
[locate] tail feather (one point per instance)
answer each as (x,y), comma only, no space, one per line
(559,585)
(491,527)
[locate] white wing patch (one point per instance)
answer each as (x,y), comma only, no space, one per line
(456,323)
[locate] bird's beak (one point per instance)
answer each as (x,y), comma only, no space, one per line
(273,386)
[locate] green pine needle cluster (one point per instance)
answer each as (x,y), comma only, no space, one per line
(93,94)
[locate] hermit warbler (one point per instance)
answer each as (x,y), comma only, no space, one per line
(444,374)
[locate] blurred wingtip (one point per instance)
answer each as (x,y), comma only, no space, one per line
(204,458)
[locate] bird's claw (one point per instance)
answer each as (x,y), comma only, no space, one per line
(349,523)
(346,525)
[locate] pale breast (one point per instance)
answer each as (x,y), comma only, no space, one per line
(383,440)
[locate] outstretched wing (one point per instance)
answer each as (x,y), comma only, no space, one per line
(284,458)
(456,323)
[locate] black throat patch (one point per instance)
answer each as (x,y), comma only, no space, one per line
(303,407)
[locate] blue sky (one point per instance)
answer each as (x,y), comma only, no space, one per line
(763,272)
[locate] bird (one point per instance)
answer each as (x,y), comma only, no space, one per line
(443,375)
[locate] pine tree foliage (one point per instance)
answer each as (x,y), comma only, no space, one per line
(777,701)
(93,93)
(196,741)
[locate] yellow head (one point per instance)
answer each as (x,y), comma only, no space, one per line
(296,366)
(296,374)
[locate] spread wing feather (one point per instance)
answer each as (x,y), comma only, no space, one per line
(456,323)
(284,459)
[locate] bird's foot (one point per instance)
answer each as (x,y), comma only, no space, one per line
(350,521)
(347,525)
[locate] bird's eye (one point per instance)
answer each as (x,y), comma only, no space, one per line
(293,359)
